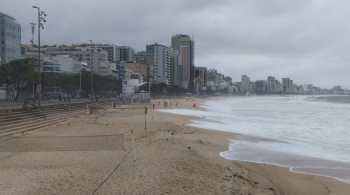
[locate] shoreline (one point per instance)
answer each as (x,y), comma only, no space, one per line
(294,163)
(236,137)
(291,169)
(110,152)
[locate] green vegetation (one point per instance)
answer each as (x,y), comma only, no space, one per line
(21,76)
(18,76)
(70,83)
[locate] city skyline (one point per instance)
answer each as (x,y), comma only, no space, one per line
(309,56)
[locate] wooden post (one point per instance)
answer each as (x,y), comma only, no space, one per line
(146,111)
(88,109)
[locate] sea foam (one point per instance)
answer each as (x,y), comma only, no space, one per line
(287,130)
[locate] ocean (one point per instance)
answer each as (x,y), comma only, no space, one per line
(307,134)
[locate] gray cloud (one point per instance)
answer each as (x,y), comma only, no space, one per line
(304,39)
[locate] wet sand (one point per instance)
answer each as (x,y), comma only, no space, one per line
(244,148)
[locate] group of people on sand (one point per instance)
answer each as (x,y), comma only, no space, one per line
(168,104)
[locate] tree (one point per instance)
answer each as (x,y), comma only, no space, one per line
(18,75)
(158,89)
(69,83)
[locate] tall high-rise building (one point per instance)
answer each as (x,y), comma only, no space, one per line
(159,59)
(184,61)
(171,66)
(10,39)
(125,54)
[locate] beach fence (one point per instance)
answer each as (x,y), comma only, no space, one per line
(21,120)
(143,103)
(138,98)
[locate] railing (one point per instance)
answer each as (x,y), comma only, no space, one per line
(18,121)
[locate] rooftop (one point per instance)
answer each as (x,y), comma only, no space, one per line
(5,15)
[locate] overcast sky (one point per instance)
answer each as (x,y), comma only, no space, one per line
(307,40)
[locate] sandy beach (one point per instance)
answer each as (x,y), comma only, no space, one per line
(111,152)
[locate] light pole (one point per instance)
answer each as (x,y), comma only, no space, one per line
(82,67)
(80,81)
(32,41)
(41,20)
(33,32)
(92,71)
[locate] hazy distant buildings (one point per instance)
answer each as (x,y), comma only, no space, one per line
(245,84)
(10,39)
(274,86)
(201,79)
(337,90)
(184,61)
(287,84)
(260,87)
(216,81)
(299,89)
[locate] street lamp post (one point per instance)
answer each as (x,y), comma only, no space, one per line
(82,67)
(92,71)
(41,20)
(32,24)
(33,32)
(80,81)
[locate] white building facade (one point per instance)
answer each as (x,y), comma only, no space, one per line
(160,62)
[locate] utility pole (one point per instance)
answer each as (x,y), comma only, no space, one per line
(41,20)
